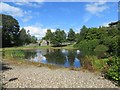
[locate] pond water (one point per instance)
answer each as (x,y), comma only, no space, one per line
(60,57)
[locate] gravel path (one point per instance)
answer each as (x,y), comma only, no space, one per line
(21,76)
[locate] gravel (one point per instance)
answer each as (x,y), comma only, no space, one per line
(28,76)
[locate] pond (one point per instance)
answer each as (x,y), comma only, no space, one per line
(60,57)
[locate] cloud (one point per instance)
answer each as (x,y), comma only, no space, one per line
(11,10)
(15,12)
(37,31)
(96,8)
(26,19)
(30,4)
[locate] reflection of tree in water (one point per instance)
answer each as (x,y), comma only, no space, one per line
(30,54)
(58,57)
(71,57)
(55,56)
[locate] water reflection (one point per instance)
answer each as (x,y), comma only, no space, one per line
(65,52)
(78,51)
(44,60)
(55,57)
(67,64)
(77,63)
(61,57)
(39,57)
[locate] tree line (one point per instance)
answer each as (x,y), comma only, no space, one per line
(11,33)
(59,36)
(102,40)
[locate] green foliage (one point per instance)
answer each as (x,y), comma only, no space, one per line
(77,35)
(10,30)
(11,33)
(23,36)
(92,63)
(105,42)
(18,54)
(26,38)
(101,50)
(114,69)
(87,46)
(71,35)
(107,36)
(83,32)
(33,39)
(100,64)
(13,54)
(49,35)
(56,38)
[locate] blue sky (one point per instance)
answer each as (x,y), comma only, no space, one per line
(39,16)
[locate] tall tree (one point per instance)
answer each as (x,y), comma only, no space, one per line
(83,31)
(58,37)
(23,36)
(26,38)
(33,39)
(49,35)
(71,35)
(10,30)
(77,35)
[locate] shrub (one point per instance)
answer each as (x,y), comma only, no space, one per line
(87,46)
(113,72)
(101,50)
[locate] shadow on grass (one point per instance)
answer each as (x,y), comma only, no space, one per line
(59,46)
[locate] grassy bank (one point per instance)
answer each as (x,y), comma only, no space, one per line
(37,47)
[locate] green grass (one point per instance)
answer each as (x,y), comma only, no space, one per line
(92,63)
(100,64)
(37,47)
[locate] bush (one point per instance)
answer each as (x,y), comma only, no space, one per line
(87,46)
(92,63)
(113,72)
(101,50)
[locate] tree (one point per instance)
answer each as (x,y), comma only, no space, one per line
(77,35)
(107,36)
(10,30)
(83,32)
(71,35)
(56,38)
(26,38)
(33,39)
(101,50)
(59,37)
(23,36)
(63,36)
(48,35)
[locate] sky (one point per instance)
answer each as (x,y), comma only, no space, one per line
(40,16)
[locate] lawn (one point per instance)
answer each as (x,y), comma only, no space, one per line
(37,47)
